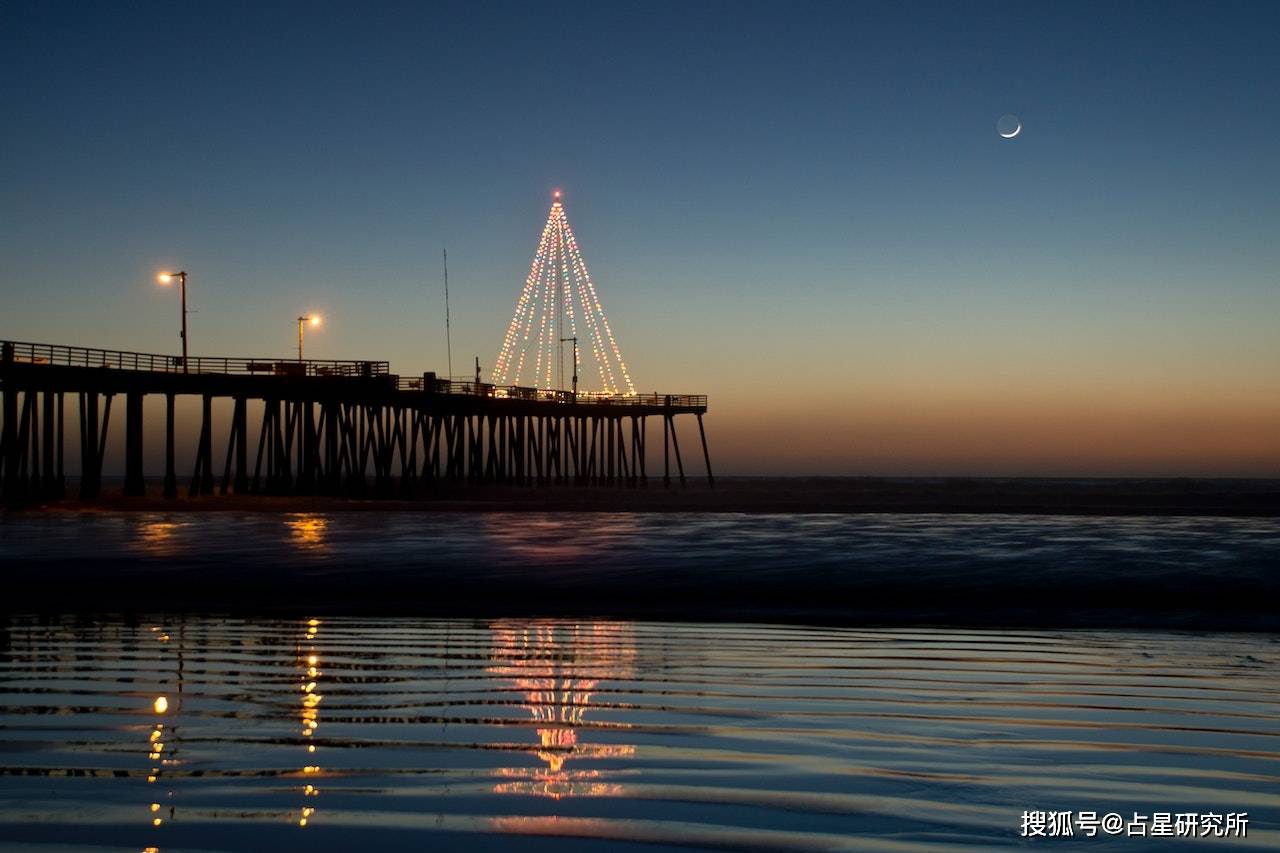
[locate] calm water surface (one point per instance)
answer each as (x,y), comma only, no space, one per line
(389,733)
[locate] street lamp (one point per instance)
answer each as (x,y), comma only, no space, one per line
(314,320)
(167,278)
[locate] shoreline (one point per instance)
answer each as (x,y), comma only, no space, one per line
(981,571)
(1246,498)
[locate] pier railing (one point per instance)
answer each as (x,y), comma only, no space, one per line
(517,392)
(29,353)
(22,352)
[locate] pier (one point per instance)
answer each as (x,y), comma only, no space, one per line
(327,427)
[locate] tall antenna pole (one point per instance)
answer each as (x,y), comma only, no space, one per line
(559,303)
(448,339)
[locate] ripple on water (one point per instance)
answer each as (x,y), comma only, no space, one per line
(544,733)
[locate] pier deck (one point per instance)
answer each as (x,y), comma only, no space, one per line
(326,426)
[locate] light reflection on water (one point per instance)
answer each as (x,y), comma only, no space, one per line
(556,666)
(156,537)
(554,538)
(970,569)
(308,530)
(342,733)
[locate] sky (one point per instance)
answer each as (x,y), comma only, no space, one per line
(802,210)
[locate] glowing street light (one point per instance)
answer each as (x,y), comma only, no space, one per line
(312,319)
(167,278)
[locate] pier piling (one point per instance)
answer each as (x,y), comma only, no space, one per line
(326,427)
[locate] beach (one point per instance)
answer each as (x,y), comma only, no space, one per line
(990,569)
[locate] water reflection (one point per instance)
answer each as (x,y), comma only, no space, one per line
(308,656)
(162,739)
(157,537)
(554,537)
(557,666)
(439,734)
(308,531)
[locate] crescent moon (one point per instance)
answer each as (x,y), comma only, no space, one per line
(1016,131)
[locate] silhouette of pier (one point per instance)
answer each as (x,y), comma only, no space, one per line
(327,427)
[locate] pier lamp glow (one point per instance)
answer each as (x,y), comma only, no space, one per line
(303,322)
(166,278)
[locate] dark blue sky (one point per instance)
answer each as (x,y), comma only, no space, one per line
(792,195)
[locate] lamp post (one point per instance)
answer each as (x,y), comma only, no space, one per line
(575,354)
(167,278)
(313,319)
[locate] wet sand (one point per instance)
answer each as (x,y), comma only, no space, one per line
(825,568)
(1119,496)
(1190,554)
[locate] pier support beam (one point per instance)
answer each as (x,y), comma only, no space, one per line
(170,470)
(711,480)
(237,451)
(644,449)
(666,450)
(240,420)
(675,444)
(31,429)
(49,483)
(134,484)
(332,478)
(202,479)
(11,451)
(93,439)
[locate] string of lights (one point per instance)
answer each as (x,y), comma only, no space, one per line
(567,299)
(590,297)
(597,346)
(557,292)
(595,300)
(524,307)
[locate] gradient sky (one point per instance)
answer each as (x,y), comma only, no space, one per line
(801,210)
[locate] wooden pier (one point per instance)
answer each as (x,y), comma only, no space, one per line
(327,427)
